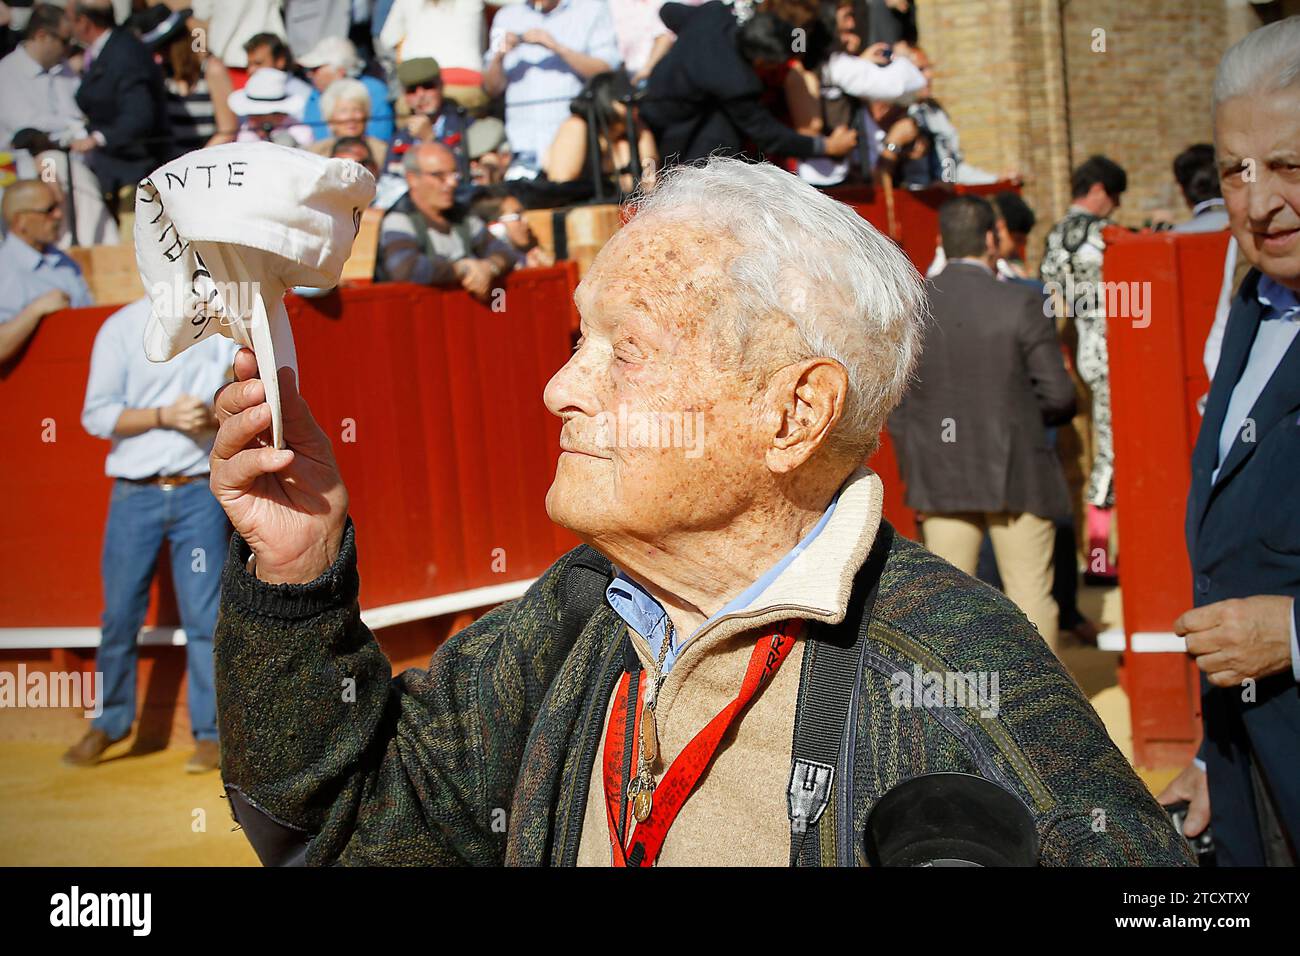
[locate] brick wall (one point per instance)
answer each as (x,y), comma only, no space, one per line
(1030,87)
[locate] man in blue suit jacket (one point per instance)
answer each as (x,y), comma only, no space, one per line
(1243,511)
(123,97)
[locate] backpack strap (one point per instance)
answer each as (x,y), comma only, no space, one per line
(582,590)
(823,719)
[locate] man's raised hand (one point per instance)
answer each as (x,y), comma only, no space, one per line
(289,505)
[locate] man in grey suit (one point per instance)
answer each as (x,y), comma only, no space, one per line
(971,444)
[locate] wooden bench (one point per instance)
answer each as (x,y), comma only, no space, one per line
(587,229)
(114,279)
(110,272)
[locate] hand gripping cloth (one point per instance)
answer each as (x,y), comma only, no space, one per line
(222,233)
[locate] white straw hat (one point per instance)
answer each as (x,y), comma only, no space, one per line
(267,91)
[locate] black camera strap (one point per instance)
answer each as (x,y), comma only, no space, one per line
(825,721)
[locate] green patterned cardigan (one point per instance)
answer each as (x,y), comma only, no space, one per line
(485,758)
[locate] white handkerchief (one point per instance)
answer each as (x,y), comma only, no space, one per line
(222,233)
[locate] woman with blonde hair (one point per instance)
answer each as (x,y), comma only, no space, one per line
(345,106)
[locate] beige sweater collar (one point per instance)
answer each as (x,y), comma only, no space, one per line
(816,585)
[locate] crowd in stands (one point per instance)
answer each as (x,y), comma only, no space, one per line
(469,115)
(556,102)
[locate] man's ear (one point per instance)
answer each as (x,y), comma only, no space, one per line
(809,399)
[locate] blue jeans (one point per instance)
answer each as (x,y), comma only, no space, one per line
(140,517)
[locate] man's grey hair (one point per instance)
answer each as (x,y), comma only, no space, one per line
(851,293)
(1264,61)
(411,158)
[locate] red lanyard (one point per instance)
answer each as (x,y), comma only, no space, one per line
(680,780)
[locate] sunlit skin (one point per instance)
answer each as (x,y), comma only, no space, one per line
(322,76)
(433,189)
(261,56)
(348,119)
(1264,215)
(693,530)
(517,232)
(425,99)
(35,225)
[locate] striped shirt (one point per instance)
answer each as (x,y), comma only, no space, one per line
(192,116)
(539,84)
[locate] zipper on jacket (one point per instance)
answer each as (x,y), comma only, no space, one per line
(589,744)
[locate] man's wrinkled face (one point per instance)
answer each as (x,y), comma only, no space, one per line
(433,188)
(662,430)
(1257,143)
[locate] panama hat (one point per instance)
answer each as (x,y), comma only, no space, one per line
(267,91)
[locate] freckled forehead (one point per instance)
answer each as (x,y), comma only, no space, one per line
(674,272)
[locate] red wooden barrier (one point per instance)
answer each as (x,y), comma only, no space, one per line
(1156,378)
(916,213)
(433,402)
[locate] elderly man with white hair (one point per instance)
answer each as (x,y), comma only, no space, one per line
(742,659)
(1243,513)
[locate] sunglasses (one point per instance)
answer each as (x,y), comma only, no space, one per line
(510,217)
(435,85)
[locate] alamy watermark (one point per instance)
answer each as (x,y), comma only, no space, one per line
(1115,300)
(52,690)
(625,428)
(973,690)
(202,299)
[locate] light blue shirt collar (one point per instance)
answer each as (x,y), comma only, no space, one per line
(26,257)
(1279,302)
(641,612)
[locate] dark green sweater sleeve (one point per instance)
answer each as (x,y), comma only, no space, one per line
(320,741)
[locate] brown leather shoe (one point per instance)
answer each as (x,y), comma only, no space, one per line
(207,756)
(86,751)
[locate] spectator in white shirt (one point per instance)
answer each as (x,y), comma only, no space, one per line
(540,55)
(449,31)
(230,24)
(269,50)
(642,37)
(38,94)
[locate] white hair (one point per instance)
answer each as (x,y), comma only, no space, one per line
(851,293)
(1263,61)
(343,91)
